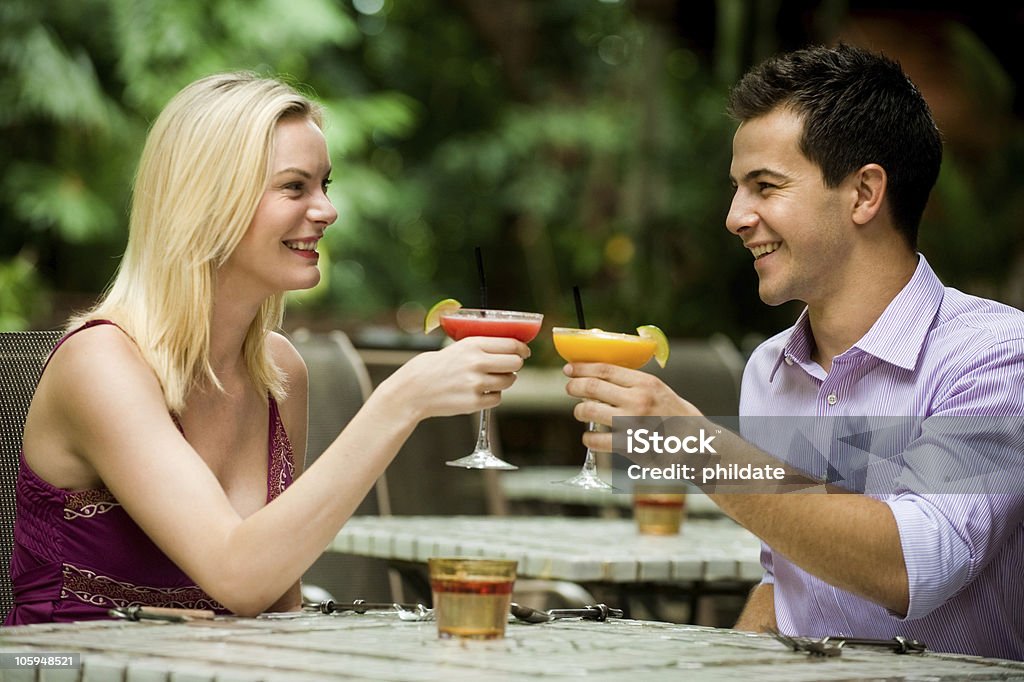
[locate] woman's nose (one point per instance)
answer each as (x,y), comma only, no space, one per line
(323,210)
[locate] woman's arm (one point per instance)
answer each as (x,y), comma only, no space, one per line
(113,415)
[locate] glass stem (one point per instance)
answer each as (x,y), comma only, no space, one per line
(483,436)
(590,464)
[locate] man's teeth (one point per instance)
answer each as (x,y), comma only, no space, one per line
(301,246)
(764,249)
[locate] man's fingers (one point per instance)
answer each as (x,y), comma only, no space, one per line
(592,388)
(598,441)
(610,373)
(592,411)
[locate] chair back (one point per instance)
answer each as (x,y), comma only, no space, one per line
(22,357)
(706,372)
(339,384)
(418,472)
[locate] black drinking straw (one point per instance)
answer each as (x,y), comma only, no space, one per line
(579,307)
(483,279)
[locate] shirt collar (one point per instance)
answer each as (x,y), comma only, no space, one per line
(896,337)
(797,347)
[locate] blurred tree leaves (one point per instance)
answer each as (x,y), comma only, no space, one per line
(82,80)
(576,141)
(20,296)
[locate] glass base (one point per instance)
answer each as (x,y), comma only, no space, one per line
(586,481)
(587,478)
(482,460)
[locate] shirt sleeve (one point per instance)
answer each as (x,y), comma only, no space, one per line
(768,578)
(959,497)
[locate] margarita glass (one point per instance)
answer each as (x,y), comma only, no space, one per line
(594,345)
(458,324)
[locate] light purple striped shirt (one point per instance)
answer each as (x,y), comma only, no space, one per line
(935,351)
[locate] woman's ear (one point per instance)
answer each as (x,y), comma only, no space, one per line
(870,183)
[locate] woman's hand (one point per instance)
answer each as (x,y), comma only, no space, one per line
(465,377)
(610,391)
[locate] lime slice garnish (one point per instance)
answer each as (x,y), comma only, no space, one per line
(433,319)
(649,331)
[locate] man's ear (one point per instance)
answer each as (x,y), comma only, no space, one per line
(870,183)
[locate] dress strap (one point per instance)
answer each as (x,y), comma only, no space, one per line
(87,325)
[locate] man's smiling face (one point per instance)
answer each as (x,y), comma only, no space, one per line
(790,221)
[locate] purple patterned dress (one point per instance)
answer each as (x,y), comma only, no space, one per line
(77,553)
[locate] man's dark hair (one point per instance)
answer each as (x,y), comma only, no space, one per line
(858,107)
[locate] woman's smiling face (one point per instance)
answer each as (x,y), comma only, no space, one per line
(278,252)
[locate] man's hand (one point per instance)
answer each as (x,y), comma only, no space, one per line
(610,391)
(759,613)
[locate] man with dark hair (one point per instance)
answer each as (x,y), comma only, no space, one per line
(833,160)
(856,108)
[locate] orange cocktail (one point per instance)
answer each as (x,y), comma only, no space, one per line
(625,350)
(595,345)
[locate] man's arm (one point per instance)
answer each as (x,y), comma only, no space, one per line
(849,541)
(759,613)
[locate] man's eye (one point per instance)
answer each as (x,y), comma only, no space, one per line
(762,186)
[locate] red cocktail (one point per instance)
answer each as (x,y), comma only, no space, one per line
(464,322)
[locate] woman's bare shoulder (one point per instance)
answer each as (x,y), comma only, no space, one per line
(95,381)
(102,350)
(287,357)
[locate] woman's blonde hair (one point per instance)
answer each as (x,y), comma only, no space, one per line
(203,171)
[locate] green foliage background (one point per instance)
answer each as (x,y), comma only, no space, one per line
(576,141)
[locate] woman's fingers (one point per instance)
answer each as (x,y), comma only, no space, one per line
(465,377)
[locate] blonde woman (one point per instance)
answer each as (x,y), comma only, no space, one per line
(162,441)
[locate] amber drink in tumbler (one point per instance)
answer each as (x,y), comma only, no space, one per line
(471,596)
(658,512)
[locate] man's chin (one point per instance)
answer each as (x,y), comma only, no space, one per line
(771,297)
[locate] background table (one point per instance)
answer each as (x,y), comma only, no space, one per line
(536,484)
(576,549)
(381,647)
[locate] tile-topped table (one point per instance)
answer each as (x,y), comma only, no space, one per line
(379,646)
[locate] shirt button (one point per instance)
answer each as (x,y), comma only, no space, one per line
(789,360)
(832,399)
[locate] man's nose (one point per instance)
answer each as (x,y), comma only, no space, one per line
(741,214)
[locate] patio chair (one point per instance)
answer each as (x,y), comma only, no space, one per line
(418,472)
(707,372)
(338,386)
(22,357)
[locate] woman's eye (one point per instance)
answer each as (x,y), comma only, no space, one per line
(325,184)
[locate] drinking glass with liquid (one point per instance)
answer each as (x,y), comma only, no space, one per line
(658,510)
(471,596)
